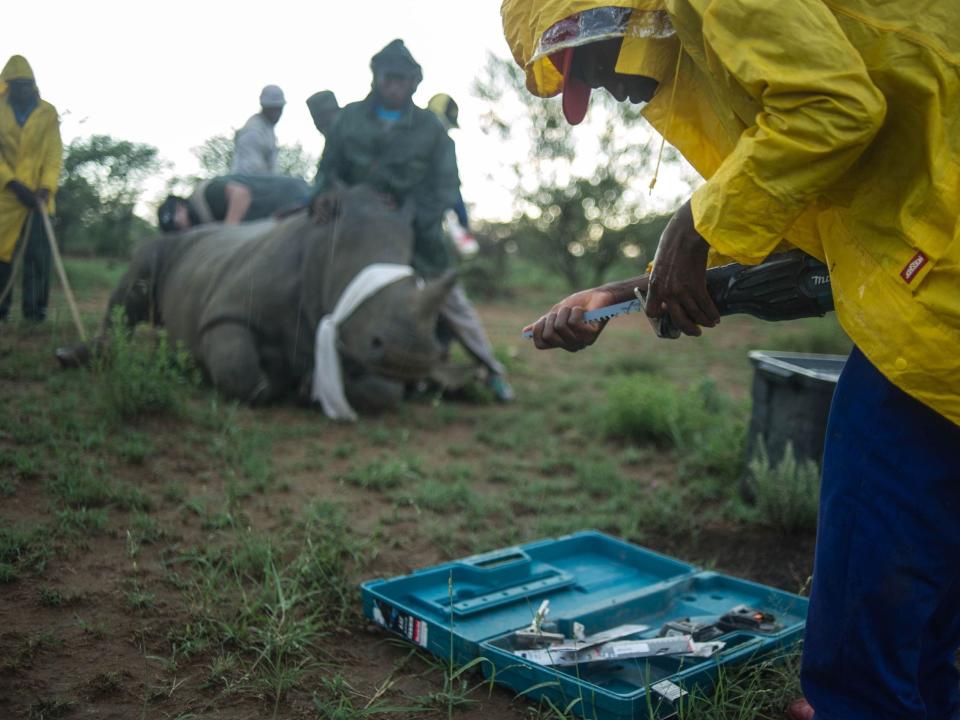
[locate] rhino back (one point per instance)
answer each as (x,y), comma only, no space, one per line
(248,274)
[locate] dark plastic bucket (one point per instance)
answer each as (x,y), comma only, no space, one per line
(791,401)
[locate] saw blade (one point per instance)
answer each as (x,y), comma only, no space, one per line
(604,313)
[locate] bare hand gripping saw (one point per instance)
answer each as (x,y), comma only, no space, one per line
(786,286)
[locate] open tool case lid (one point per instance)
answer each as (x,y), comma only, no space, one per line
(470,608)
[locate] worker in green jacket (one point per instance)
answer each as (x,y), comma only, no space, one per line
(400,150)
(404,152)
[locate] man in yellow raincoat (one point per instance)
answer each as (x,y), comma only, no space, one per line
(834,126)
(30,159)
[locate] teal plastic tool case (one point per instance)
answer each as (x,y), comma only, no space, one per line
(473,607)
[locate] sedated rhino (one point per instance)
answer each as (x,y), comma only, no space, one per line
(246,301)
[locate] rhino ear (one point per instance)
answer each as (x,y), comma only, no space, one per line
(434,293)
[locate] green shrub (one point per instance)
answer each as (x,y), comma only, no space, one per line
(22,550)
(701,422)
(93,274)
(486,275)
(51,597)
(140,378)
(787,495)
(639,409)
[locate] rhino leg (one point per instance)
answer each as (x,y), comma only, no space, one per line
(134,294)
(372,394)
(232,360)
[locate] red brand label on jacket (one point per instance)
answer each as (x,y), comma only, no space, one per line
(913,267)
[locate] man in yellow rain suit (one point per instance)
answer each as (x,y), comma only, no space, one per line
(832,125)
(30,159)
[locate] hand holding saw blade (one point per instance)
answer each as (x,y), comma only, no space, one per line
(785,286)
(605,313)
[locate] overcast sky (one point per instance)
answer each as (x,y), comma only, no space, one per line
(173,74)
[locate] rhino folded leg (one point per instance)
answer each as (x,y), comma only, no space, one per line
(372,394)
(232,360)
(134,295)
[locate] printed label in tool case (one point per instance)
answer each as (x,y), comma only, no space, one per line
(413,629)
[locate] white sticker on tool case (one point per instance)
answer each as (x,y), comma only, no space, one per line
(669,690)
(413,629)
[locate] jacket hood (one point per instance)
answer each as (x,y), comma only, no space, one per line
(17,68)
(396,57)
(538,29)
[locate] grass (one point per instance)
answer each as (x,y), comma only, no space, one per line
(22,551)
(386,474)
(93,273)
(50,708)
(705,426)
(787,493)
(263,602)
(337,699)
(82,484)
(104,684)
(54,597)
(442,496)
(758,691)
(24,654)
(138,378)
(139,598)
(25,463)
(232,540)
(135,447)
(82,521)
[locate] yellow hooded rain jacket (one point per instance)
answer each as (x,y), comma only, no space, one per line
(31,154)
(834,124)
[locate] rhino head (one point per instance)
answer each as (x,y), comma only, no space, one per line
(393,334)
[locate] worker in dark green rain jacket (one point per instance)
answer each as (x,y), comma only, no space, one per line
(400,150)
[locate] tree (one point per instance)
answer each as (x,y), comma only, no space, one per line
(580,205)
(293,160)
(215,156)
(102,181)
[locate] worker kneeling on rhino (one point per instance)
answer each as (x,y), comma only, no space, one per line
(331,310)
(232,199)
(836,125)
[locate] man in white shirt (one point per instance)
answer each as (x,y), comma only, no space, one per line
(255,144)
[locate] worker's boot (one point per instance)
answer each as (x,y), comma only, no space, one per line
(501,388)
(73,356)
(800,710)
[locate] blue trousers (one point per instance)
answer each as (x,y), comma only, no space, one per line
(884,622)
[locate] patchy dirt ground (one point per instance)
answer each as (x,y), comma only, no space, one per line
(125,545)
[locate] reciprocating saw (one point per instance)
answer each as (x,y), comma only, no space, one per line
(786,286)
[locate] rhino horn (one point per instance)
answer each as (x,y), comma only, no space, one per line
(432,295)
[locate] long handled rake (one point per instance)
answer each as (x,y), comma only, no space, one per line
(58,261)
